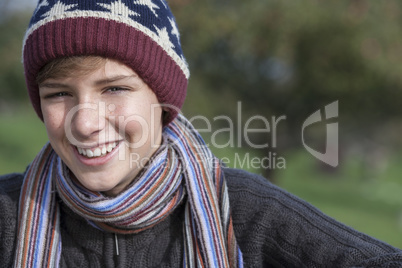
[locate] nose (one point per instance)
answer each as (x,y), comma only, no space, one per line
(87,120)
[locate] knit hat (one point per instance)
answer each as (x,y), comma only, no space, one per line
(139,33)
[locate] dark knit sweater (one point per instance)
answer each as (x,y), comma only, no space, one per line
(273,229)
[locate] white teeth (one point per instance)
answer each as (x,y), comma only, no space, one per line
(90,153)
(109,148)
(96,152)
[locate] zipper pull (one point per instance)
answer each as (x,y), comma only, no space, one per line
(117,244)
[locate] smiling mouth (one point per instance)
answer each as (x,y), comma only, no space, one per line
(97,151)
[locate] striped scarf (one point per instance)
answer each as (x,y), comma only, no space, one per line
(182,167)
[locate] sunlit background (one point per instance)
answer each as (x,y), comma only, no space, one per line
(269,59)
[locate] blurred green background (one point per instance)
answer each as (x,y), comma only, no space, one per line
(279,58)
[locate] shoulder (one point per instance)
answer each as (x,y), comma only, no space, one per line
(248,189)
(11,182)
(273,226)
(238,179)
(258,195)
(10,187)
(264,213)
(254,201)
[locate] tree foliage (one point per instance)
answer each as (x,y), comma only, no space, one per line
(294,57)
(12,83)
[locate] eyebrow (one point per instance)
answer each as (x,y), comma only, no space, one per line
(52,85)
(98,82)
(114,79)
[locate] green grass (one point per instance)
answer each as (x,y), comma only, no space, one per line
(22,135)
(372,206)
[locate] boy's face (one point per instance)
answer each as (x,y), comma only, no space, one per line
(104,125)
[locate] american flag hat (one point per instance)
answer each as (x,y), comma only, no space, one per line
(140,33)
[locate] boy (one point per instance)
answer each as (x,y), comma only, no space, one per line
(125,181)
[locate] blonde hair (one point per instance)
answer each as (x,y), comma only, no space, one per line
(70,66)
(75,66)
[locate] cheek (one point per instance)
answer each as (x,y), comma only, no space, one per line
(139,123)
(135,128)
(54,122)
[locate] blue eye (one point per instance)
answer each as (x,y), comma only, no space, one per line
(60,94)
(56,95)
(116,89)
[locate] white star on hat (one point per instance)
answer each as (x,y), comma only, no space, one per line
(120,9)
(175,31)
(41,4)
(149,4)
(58,8)
(164,37)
